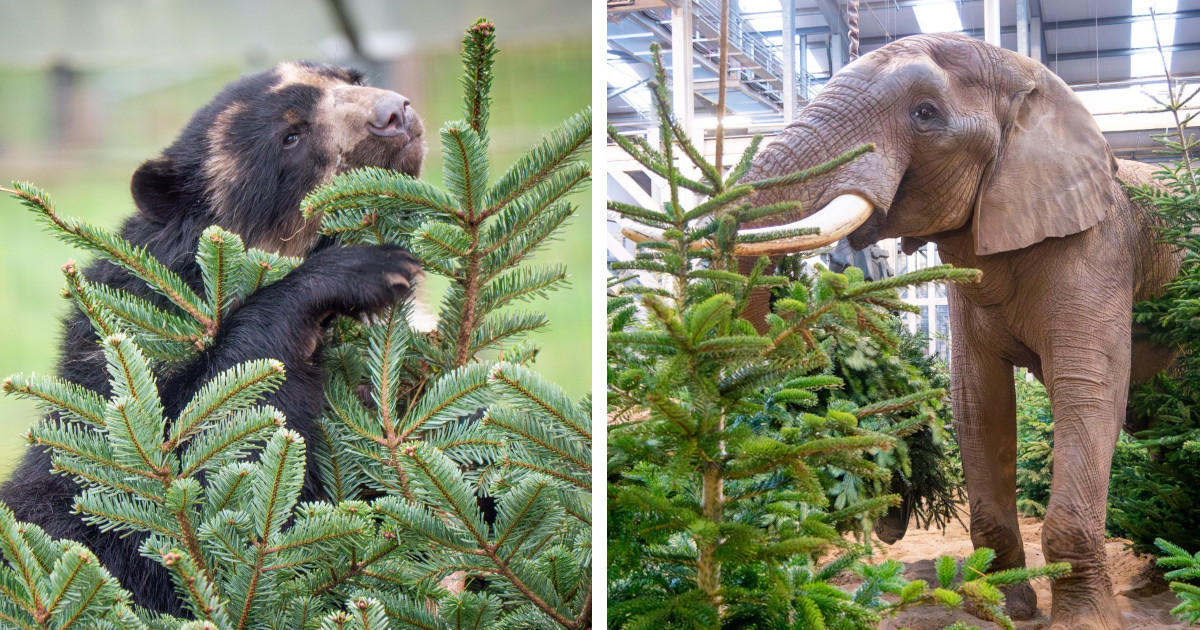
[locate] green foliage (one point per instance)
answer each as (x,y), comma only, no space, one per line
(729,443)
(56,582)
(230,272)
(418,431)
(1156,480)
(969,582)
(1184,566)
(1035,445)
(1155,493)
(924,466)
(932,475)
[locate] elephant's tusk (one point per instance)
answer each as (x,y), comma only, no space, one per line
(838,218)
(639,233)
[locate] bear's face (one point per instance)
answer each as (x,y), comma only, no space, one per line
(248,158)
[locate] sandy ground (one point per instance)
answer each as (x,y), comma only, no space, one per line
(1141,592)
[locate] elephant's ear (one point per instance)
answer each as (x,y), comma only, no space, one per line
(1053,174)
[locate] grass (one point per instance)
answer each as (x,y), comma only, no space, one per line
(534,90)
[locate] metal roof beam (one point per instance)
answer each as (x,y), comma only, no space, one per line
(800,30)
(1039,45)
(789,59)
(1023,27)
(624,6)
(1116,20)
(1118,52)
(1056,26)
(977,33)
(1090,84)
(837,26)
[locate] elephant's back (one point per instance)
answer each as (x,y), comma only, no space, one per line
(1159,263)
(1134,173)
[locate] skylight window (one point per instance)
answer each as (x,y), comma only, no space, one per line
(1141,35)
(938,17)
(815,66)
(758,6)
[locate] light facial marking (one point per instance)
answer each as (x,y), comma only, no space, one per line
(221,167)
(291,73)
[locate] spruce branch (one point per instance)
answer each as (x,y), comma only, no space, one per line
(377,188)
(541,161)
(479,52)
(75,401)
(466,168)
(136,260)
(800,177)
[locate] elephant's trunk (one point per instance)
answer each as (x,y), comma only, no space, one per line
(846,115)
(860,191)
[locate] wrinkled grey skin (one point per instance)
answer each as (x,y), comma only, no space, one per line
(1007,173)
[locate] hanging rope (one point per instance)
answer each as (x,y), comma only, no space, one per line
(852,22)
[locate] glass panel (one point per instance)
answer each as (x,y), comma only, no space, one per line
(941,343)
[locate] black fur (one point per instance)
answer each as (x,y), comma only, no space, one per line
(176,201)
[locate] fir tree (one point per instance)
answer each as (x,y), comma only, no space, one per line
(723,449)
(924,465)
(1155,490)
(1184,566)
(1035,445)
(419,428)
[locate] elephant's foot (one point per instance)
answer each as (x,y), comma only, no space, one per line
(1090,609)
(1020,602)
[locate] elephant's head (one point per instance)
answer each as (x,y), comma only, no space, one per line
(966,135)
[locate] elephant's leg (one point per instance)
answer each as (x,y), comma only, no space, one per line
(985,420)
(1088,382)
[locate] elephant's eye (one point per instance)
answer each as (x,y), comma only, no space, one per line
(925,112)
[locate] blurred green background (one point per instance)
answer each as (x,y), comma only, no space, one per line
(89,89)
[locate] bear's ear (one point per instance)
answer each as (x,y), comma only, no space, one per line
(155,189)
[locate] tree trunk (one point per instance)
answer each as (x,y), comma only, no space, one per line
(713,500)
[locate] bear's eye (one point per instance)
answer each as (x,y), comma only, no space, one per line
(291,140)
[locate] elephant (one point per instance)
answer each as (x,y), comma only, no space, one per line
(991,156)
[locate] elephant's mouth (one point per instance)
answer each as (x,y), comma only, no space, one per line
(867,234)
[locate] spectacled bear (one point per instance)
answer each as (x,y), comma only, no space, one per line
(245,161)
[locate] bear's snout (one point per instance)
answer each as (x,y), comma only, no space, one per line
(389,115)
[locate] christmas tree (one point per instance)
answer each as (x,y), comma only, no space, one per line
(1154,496)
(420,430)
